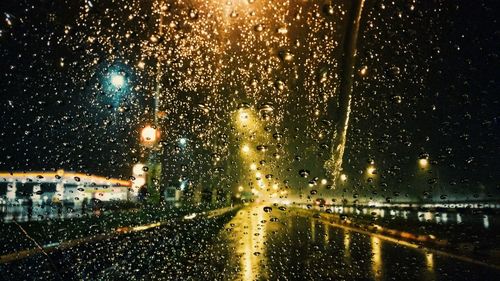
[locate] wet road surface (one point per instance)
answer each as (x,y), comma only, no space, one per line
(252,243)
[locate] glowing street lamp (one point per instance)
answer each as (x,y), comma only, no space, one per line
(343,177)
(371,170)
(423,163)
(149,136)
(117,80)
(245,149)
(243,116)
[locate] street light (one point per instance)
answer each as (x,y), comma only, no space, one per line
(245,149)
(343,177)
(149,136)
(371,170)
(423,163)
(243,116)
(149,139)
(117,80)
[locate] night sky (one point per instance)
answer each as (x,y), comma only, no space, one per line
(425,86)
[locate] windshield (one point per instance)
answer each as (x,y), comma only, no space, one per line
(249,140)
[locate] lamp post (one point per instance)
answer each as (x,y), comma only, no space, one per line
(150,136)
(150,140)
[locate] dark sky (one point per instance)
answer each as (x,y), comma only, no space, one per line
(430,88)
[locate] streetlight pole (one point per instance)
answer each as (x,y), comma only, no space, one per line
(154,181)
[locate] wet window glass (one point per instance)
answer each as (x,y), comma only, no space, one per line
(249,140)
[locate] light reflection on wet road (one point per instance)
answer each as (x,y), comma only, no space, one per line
(250,244)
(280,245)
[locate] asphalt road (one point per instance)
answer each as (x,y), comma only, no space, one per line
(253,243)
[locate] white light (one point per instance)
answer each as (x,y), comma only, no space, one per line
(149,134)
(137,170)
(324,181)
(190,216)
(371,170)
(243,116)
(343,177)
(139,182)
(117,80)
(423,162)
(245,149)
(182,141)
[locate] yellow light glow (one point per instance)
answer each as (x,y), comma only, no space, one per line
(363,71)
(324,181)
(371,170)
(343,177)
(429,260)
(243,116)
(149,135)
(275,186)
(376,257)
(245,148)
(253,167)
(240,188)
(423,162)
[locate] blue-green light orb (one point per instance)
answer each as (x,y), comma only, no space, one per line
(117,80)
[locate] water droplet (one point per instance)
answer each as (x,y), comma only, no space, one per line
(285,56)
(304,173)
(193,14)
